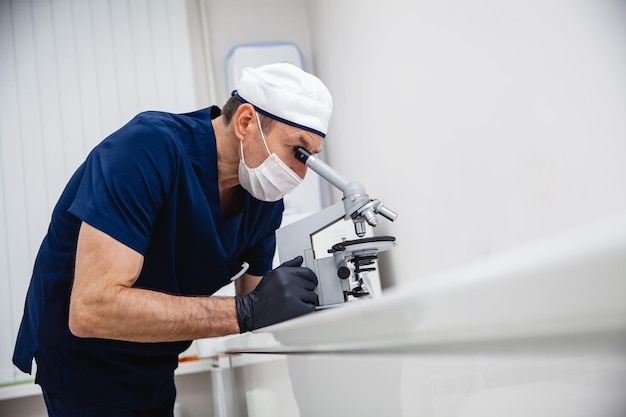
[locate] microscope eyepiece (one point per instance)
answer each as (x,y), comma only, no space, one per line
(302,154)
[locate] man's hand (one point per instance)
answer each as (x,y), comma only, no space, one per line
(283,293)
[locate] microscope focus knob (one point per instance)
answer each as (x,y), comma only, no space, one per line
(343,272)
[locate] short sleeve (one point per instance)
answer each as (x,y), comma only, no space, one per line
(126,180)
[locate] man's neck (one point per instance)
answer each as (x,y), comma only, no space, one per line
(228,156)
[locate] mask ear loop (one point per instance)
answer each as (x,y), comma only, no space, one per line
(241,147)
(258,120)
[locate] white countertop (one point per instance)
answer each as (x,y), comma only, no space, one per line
(571,285)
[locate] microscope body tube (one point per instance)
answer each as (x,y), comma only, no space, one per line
(357,204)
(321,168)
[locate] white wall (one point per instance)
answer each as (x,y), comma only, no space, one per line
(234,22)
(484,124)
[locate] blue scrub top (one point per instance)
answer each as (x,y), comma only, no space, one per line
(153,186)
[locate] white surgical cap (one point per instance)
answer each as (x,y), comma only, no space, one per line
(288,94)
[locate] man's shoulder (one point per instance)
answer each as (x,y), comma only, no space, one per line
(181,124)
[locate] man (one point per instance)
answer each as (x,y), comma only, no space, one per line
(161,215)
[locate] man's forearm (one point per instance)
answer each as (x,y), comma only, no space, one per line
(139,315)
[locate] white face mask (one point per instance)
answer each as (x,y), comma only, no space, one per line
(271,180)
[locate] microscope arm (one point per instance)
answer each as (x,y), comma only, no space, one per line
(294,238)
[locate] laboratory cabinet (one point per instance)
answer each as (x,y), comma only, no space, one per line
(512,379)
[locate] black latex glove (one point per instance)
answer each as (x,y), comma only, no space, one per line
(283,293)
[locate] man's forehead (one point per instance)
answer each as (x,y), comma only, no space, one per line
(308,140)
(313,143)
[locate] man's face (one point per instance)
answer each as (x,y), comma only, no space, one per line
(283,139)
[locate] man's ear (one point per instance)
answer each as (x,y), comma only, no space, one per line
(242,120)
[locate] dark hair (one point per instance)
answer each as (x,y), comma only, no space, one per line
(230,108)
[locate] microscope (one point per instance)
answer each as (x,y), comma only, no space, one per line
(343,276)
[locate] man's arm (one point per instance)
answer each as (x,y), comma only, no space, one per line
(103,303)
